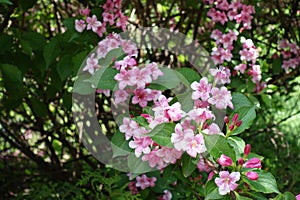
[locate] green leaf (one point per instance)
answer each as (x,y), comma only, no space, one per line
(212,191)
(266,183)
(161,134)
(247,115)
(77,60)
(217,145)
(39,108)
(267,99)
(141,121)
(26,4)
(65,67)
(256,195)
(120,145)
(103,78)
(35,40)
(81,86)
(6,42)
(186,101)
(189,164)
(239,100)
(238,145)
(169,80)
(239,197)
(189,74)
(136,165)
(6,2)
(51,51)
(285,196)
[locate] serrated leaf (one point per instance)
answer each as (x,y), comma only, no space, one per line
(189,164)
(266,183)
(217,145)
(247,115)
(161,134)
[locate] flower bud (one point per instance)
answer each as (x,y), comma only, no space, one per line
(253,163)
(239,123)
(226,119)
(247,149)
(252,176)
(235,117)
(241,161)
(231,127)
(225,161)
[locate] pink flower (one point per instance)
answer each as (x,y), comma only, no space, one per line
(123,78)
(91,64)
(298,197)
(216,34)
(133,189)
(202,89)
(93,23)
(169,155)
(139,77)
(221,98)
(202,166)
(227,182)
(252,175)
(120,96)
(213,129)
(144,182)
(108,6)
(84,12)
(195,144)
(154,160)
(106,92)
(128,127)
(128,61)
(122,22)
(221,74)
(174,112)
(80,25)
(155,71)
(107,17)
(141,97)
(253,163)
(141,145)
(167,195)
(241,67)
(200,115)
(225,161)
(256,73)
(101,29)
(178,138)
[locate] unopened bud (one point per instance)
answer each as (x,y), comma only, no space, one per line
(235,117)
(253,163)
(225,161)
(247,149)
(239,123)
(252,176)
(241,161)
(231,127)
(226,119)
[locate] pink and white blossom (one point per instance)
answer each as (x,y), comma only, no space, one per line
(141,145)
(80,25)
(202,89)
(227,182)
(93,23)
(144,182)
(221,98)
(120,96)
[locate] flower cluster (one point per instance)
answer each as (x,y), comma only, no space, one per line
(221,11)
(142,182)
(112,15)
(291,54)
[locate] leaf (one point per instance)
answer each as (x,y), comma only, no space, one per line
(212,191)
(285,196)
(186,101)
(120,146)
(78,59)
(161,134)
(247,115)
(81,86)
(238,145)
(6,42)
(266,183)
(141,121)
(189,164)
(112,56)
(239,100)
(189,74)
(136,165)
(217,145)
(65,67)
(6,2)
(51,51)
(26,4)
(256,195)
(39,108)
(35,40)
(239,197)
(169,80)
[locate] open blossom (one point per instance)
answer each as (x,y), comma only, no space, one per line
(80,25)
(298,197)
(93,23)
(202,89)
(155,71)
(139,77)
(221,74)
(144,182)
(169,155)
(167,195)
(123,78)
(202,166)
(91,64)
(108,17)
(200,115)
(120,96)
(141,145)
(154,160)
(227,182)
(141,96)
(241,67)
(128,127)
(195,144)
(256,73)
(221,98)
(174,112)
(178,138)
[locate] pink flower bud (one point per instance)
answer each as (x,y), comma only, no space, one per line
(239,123)
(226,119)
(252,176)
(253,163)
(210,175)
(241,161)
(235,117)
(231,127)
(225,161)
(247,149)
